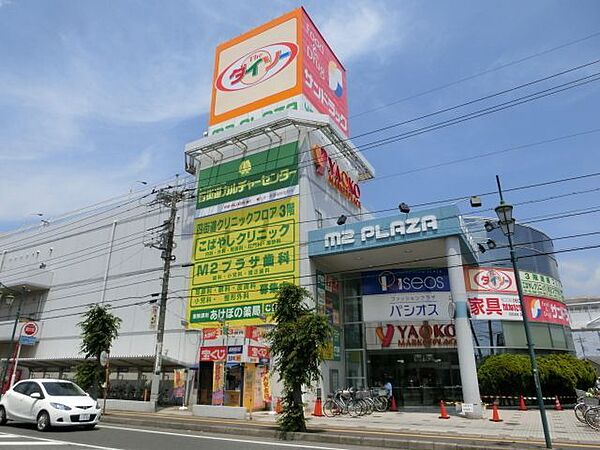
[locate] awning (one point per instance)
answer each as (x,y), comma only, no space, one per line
(144,362)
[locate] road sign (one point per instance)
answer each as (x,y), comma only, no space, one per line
(27,340)
(30,329)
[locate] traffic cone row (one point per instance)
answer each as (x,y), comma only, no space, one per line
(522,405)
(443,412)
(557,406)
(393,405)
(318,412)
(495,414)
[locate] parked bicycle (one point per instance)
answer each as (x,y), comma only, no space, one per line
(587,409)
(355,402)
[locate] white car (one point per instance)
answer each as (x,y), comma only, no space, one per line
(49,403)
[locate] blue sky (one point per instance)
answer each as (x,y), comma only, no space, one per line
(95,95)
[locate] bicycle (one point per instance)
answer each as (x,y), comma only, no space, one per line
(342,402)
(584,403)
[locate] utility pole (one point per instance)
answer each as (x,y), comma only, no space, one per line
(165,243)
(10,354)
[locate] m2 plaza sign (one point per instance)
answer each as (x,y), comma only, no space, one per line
(428,224)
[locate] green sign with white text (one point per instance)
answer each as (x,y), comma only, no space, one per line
(265,176)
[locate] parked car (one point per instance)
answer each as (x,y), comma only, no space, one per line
(49,403)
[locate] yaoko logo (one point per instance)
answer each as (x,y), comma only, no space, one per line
(536,309)
(257,66)
(493,280)
(337,177)
(336,82)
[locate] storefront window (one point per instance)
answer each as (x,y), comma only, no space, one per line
(352,310)
(352,286)
(354,364)
(353,336)
(559,340)
(514,334)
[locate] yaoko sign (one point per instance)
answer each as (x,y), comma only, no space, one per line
(338,178)
(281,64)
(410,335)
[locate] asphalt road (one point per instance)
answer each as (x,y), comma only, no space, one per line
(114,437)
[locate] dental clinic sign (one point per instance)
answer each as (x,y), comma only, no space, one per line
(429,224)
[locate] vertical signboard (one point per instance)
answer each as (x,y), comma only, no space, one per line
(280,65)
(241,259)
(218,386)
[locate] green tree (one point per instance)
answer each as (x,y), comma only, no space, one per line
(297,343)
(99,328)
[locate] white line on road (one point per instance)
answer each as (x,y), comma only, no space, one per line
(29,443)
(6,436)
(214,438)
(45,441)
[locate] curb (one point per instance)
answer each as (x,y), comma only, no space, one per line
(317,436)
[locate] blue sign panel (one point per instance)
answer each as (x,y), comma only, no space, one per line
(421,225)
(27,340)
(402,281)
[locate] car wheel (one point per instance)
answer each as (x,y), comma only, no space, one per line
(2,415)
(43,421)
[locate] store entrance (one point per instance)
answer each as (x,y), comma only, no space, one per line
(418,377)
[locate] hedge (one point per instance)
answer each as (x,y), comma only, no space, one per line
(510,374)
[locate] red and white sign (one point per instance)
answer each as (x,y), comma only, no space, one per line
(490,279)
(30,329)
(490,306)
(546,310)
(211,334)
(416,335)
(258,352)
(338,178)
(324,78)
(213,353)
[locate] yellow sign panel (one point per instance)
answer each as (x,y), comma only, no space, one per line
(241,259)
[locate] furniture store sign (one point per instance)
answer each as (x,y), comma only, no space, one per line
(429,224)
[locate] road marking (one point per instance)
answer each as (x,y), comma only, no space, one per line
(6,435)
(44,441)
(464,437)
(214,438)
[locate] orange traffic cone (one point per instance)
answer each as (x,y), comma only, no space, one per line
(522,405)
(443,412)
(495,414)
(557,406)
(278,407)
(393,406)
(318,412)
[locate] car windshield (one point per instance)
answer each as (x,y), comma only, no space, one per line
(64,389)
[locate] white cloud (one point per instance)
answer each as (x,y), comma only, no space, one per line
(364,29)
(580,277)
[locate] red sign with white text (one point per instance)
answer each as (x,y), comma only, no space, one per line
(546,310)
(213,353)
(324,78)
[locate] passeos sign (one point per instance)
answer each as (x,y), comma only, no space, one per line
(338,178)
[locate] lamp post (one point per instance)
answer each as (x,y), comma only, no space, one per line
(507,224)
(12,337)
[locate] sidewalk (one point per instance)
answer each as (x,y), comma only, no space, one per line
(405,429)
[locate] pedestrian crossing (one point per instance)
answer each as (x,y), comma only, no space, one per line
(11,440)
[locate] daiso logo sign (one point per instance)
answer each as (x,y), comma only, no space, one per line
(257,66)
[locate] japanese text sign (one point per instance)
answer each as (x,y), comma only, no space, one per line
(406,307)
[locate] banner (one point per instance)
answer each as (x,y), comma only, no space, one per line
(218,393)
(250,180)
(490,306)
(215,354)
(241,259)
(393,336)
(333,350)
(397,281)
(546,310)
(490,279)
(536,284)
(406,307)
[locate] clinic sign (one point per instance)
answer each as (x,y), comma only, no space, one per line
(284,63)
(428,224)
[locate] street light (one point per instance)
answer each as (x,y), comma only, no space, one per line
(9,298)
(507,224)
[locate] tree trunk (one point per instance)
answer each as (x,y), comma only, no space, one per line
(299,407)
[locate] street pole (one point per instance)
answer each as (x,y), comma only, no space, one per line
(530,344)
(167,255)
(12,339)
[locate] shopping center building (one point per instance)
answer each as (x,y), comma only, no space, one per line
(411,297)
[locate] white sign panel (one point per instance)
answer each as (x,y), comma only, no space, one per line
(491,306)
(406,307)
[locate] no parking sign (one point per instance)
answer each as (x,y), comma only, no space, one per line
(29,333)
